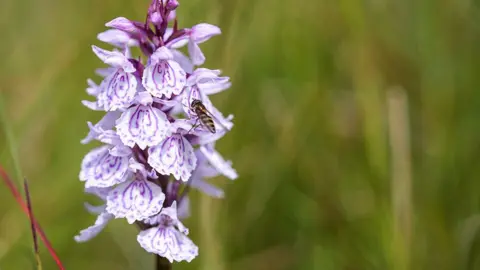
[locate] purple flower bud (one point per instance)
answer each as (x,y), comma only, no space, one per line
(171,5)
(132,28)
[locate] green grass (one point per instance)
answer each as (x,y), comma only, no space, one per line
(331,177)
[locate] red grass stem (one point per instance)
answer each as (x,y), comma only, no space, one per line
(32,225)
(18,197)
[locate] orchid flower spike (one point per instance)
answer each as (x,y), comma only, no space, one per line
(155,146)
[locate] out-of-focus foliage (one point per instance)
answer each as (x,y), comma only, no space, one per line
(357,134)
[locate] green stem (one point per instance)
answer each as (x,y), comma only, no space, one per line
(162,263)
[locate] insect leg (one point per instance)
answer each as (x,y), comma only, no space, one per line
(194,125)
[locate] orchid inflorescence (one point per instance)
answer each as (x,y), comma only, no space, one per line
(150,132)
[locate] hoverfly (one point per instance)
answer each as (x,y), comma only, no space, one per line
(203,116)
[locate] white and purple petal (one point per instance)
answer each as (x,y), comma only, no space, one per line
(93,89)
(107,122)
(216,160)
(95,209)
(163,76)
(92,231)
(104,72)
(204,31)
(139,168)
(117,38)
(143,125)
(202,171)
(92,105)
(177,42)
(102,193)
(119,89)
(133,28)
(135,200)
(173,156)
(183,61)
(207,188)
(210,86)
(168,243)
(184,208)
(114,58)
(195,53)
(101,169)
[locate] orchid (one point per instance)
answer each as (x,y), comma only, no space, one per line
(153,151)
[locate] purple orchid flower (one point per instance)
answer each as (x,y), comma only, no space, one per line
(153,147)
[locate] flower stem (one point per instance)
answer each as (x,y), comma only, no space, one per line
(162,263)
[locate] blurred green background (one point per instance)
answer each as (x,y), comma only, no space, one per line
(357,134)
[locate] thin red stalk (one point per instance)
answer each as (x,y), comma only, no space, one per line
(18,197)
(34,232)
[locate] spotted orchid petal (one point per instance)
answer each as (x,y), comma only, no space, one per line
(198,34)
(101,193)
(135,200)
(117,38)
(119,89)
(93,89)
(95,209)
(208,81)
(203,32)
(114,58)
(106,123)
(169,239)
(184,208)
(214,85)
(202,171)
(104,72)
(135,30)
(109,137)
(92,105)
(173,156)
(196,54)
(176,43)
(163,76)
(216,160)
(101,169)
(92,231)
(144,98)
(184,62)
(207,188)
(143,125)
(169,243)
(139,168)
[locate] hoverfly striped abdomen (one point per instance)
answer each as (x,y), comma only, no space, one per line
(203,115)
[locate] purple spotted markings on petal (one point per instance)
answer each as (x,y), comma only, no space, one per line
(143,125)
(169,243)
(119,89)
(100,169)
(175,156)
(135,200)
(165,77)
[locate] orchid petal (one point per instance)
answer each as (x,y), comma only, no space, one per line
(143,125)
(135,200)
(173,156)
